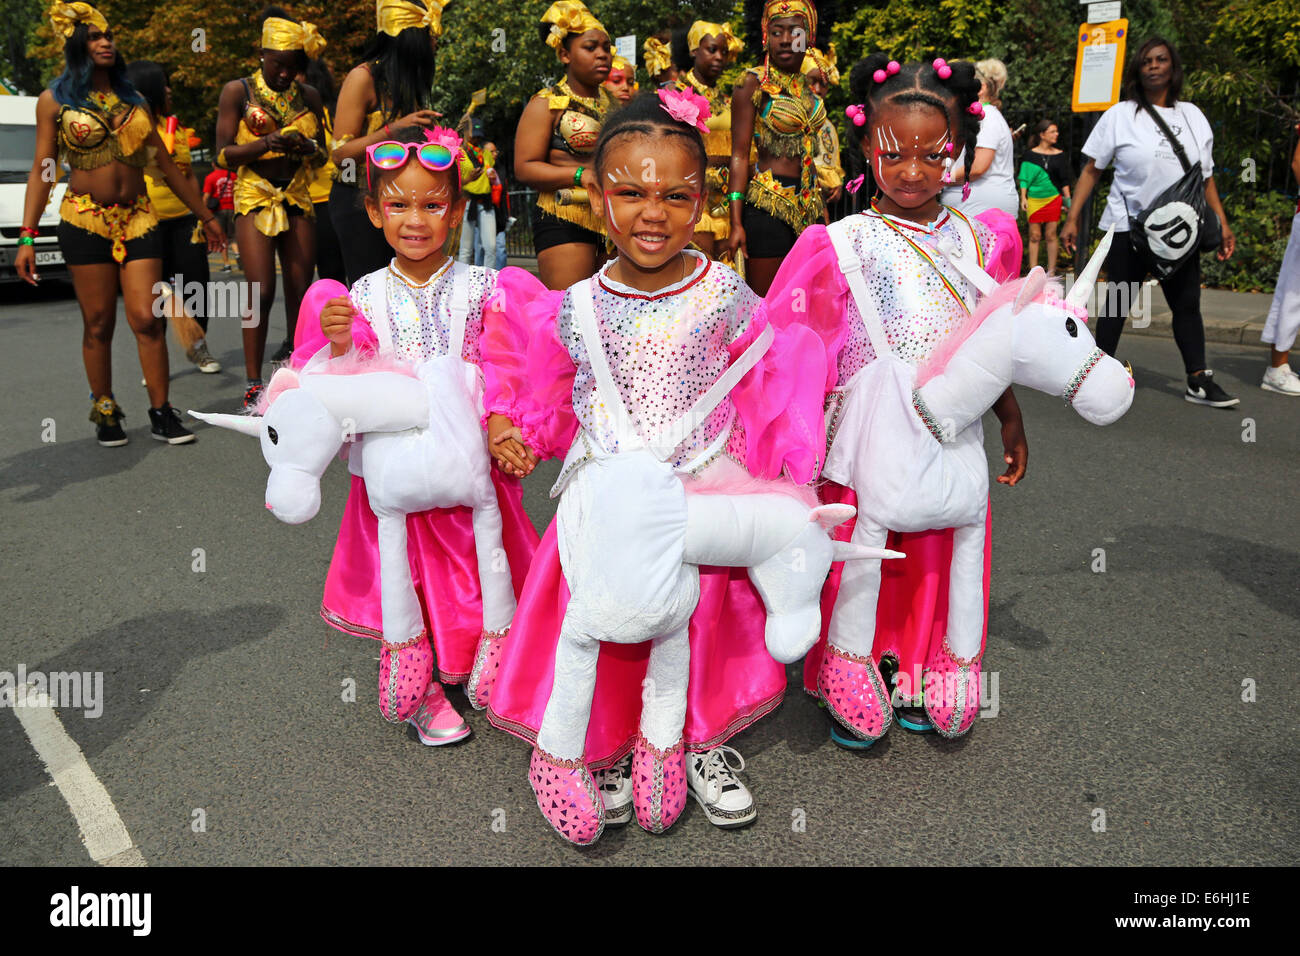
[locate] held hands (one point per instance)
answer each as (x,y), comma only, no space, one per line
(336,323)
(506,445)
(1015,450)
(214,234)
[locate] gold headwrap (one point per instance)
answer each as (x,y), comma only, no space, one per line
(394,16)
(280,34)
(776,9)
(568,16)
(701,28)
(658,57)
(620,64)
(815,59)
(66,16)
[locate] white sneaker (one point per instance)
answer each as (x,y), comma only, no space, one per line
(615,786)
(712,780)
(1281,380)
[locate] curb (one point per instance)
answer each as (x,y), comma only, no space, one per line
(1226,331)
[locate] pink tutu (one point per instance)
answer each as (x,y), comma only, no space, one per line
(734,681)
(912,614)
(440,545)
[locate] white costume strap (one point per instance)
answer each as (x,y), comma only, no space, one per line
(459,308)
(666,440)
(851,266)
(376,309)
(964,257)
(584,310)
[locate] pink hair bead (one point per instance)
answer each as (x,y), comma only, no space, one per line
(859,120)
(939,62)
(892,67)
(944,71)
(879,76)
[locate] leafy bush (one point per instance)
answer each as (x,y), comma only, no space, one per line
(1262,224)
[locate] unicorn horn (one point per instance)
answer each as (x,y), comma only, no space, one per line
(1082,290)
(248,424)
(848,551)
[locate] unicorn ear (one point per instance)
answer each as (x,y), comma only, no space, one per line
(1034,284)
(248,424)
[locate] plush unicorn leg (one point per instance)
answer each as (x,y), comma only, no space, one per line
(659,759)
(952,675)
(849,680)
(406,662)
(497,588)
(566,792)
(787,549)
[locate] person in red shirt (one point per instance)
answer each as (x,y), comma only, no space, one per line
(218,188)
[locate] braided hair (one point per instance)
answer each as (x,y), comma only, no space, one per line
(917,84)
(644,115)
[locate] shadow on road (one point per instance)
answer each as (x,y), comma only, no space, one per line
(75,457)
(145,653)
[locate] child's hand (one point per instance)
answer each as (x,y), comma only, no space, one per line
(506,445)
(1015,450)
(336,323)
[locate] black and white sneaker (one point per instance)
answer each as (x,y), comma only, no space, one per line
(711,778)
(283,352)
(615,786)
(107,416)
(1203,390)
(165,425)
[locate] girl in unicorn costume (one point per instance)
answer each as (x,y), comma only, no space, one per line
(913,364)
(434,545)
(689,428)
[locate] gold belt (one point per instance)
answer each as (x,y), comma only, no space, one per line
(119,223)
(252,191)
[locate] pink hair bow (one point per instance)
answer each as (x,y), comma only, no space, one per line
(686,106)
(854,184)
(444,137)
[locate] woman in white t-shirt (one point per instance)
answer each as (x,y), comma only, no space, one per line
(1145,166)
(992,174)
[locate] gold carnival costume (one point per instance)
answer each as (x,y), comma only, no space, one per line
(716,217)
(787,119)
(657,55)
(830,174)
(265,112)
(580,116)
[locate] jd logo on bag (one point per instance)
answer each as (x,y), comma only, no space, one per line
(1171,229)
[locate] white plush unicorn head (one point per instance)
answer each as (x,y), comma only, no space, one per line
(306,418)
(1026,333)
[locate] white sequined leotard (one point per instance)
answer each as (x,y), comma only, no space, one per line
(664,351)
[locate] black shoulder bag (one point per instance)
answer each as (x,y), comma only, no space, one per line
(1178,224)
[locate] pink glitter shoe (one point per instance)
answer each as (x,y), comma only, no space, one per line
(855,694)
(567,797)
(436,721)
(487,662)
(952,691)
(659,787)
(405,671)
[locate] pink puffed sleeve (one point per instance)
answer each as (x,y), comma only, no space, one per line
(810,290)
(779,402)
(308,339)
(1002,244)
(527,373)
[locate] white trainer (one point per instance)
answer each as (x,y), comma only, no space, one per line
(615,786)
(1281,380)
(711,777)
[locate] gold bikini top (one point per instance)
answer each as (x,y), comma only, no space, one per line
(717,141)
(788,114)
(579,126)
(266,111)
(103,130)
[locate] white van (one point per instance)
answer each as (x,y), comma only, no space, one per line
(17,147)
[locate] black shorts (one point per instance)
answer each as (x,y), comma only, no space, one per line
(81,247)
(551,231)
(767,237)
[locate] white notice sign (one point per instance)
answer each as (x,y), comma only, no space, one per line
(1103,12)
(1098,72)
(626,48)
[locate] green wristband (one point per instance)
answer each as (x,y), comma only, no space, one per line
(736,197)
(26,241)
(577,175)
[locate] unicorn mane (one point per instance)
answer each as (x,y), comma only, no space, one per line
(352,362)
(1004,295)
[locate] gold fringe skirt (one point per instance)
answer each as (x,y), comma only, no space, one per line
(118,223)
(797,209)
(578,213)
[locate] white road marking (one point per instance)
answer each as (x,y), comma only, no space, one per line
(102,830)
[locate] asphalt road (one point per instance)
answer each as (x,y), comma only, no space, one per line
(1120,693)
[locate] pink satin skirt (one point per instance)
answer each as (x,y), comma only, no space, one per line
(912,613)
(440,545)
(734,681)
